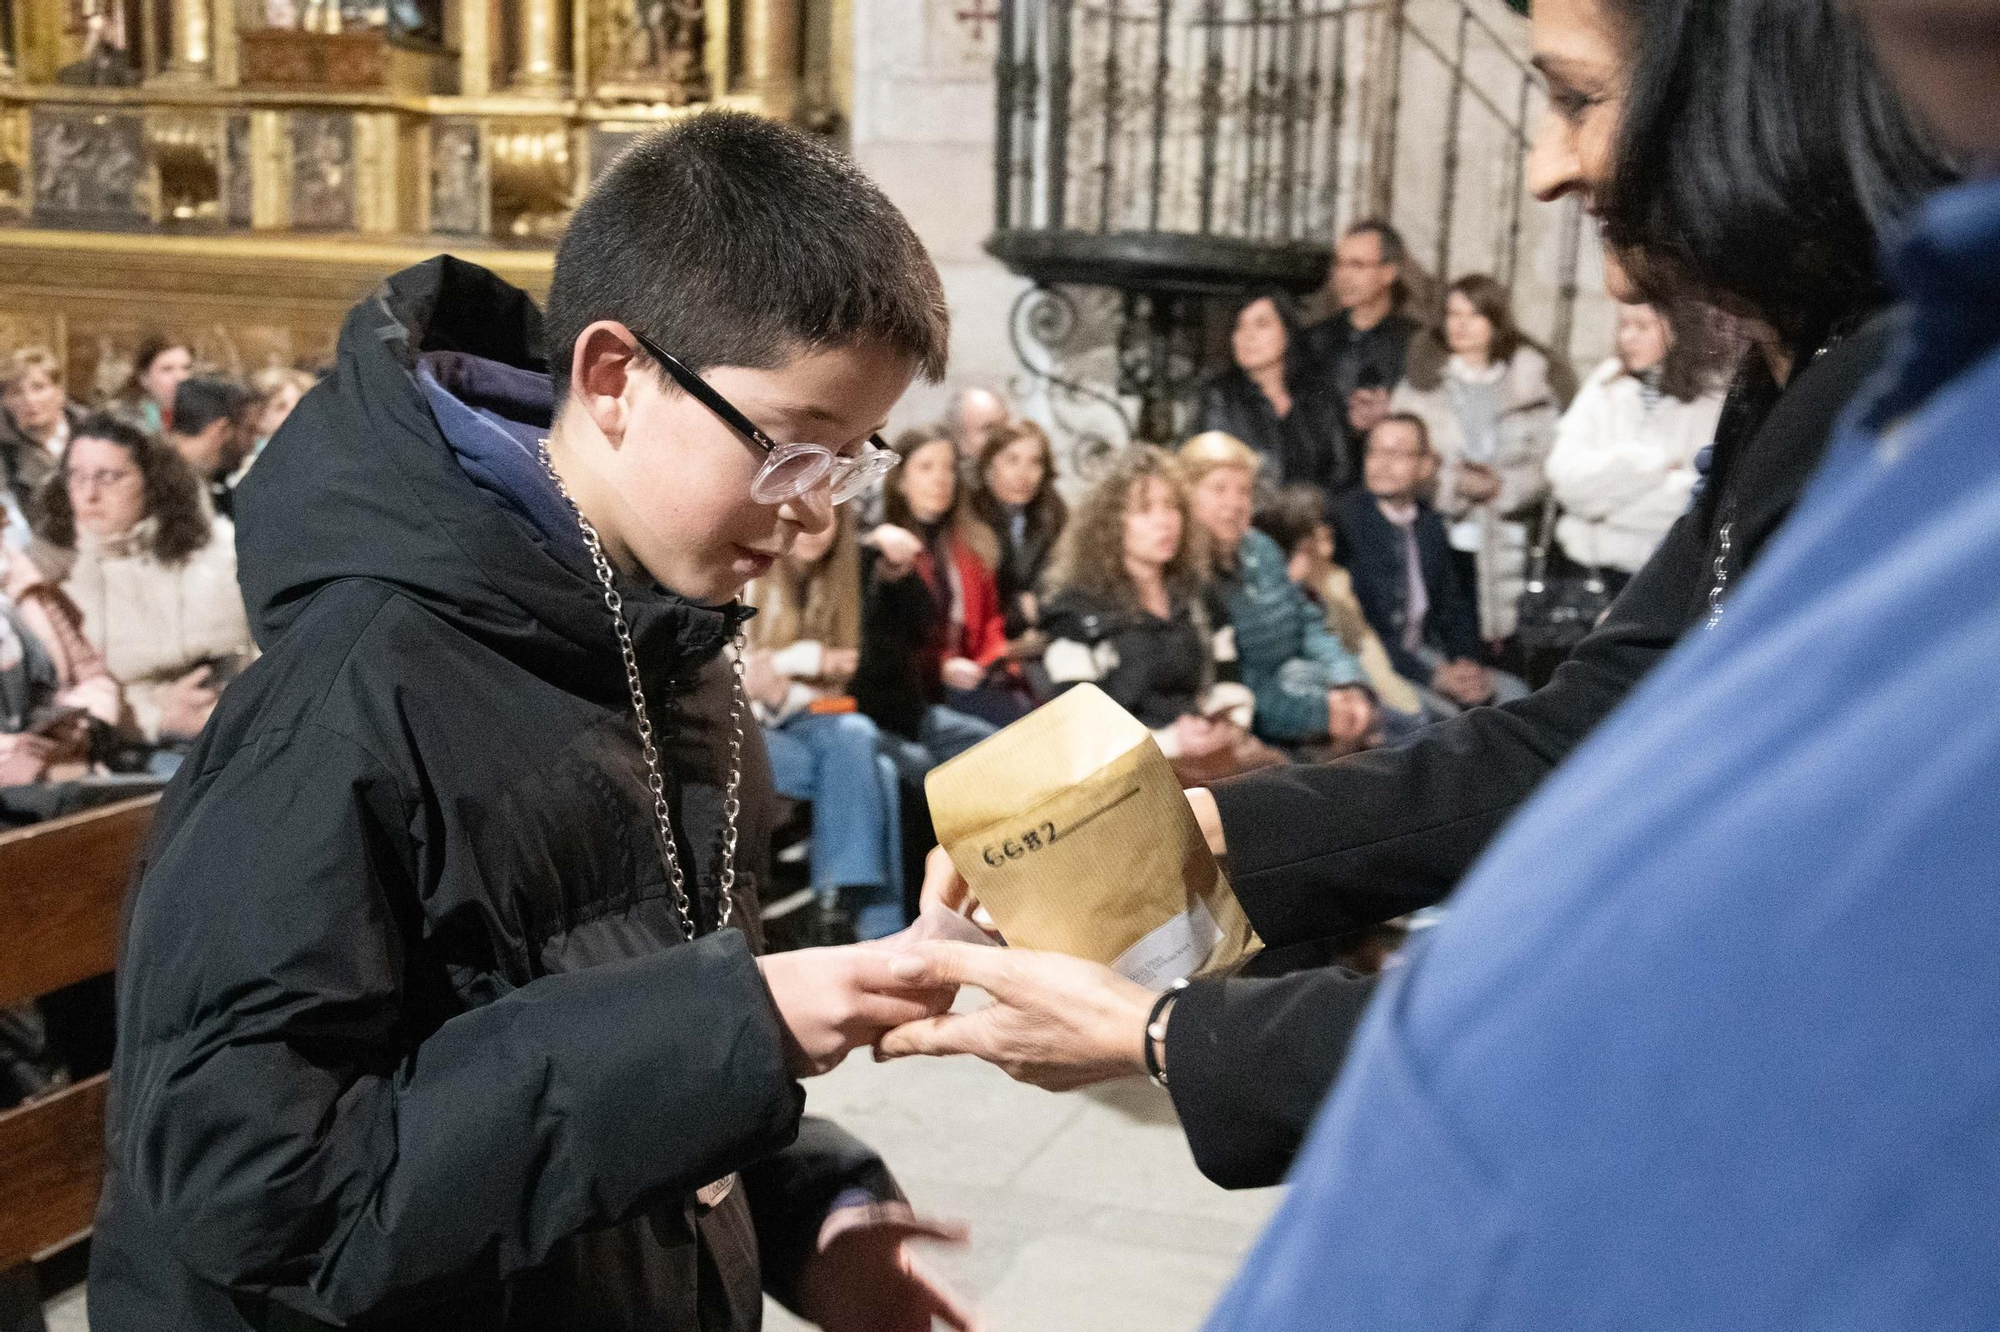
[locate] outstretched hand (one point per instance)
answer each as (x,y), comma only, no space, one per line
(1056,1021)
(864,1278)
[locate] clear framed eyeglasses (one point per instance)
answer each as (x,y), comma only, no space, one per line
(789,470)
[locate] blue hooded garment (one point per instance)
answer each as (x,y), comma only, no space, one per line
(1711,1039)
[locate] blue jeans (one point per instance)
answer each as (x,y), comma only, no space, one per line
(944,734)
(835,761)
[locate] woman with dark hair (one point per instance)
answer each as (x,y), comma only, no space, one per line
(158,368)
(1481,388)
(153,573)
(1623,463)
(1014,494)
(1267,400)
(1699,121)
(933,640)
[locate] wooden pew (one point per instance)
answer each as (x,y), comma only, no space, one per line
(61,886)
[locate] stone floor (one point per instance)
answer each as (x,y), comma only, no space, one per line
(1086,1210)
(1087,1213)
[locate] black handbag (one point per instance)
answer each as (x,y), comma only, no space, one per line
(1555,614)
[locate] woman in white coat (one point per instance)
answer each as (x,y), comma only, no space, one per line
(1623,463)
(1483,391)
(153,571)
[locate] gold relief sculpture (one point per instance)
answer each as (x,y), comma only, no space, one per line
(457,178)
(648,50)
(238,197)
(532,182)
(322,171)
(89,168)
(187,155)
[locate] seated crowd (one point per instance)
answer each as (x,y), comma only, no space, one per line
(1331,562)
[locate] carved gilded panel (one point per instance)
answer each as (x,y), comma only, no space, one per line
(323,195)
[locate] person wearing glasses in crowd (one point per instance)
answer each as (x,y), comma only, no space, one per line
(440,1001)
(1357,353)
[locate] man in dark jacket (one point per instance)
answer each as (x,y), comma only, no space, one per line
(439,1003)
(1355,355)
(1395,546)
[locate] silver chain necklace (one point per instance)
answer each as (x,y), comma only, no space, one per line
(655,782)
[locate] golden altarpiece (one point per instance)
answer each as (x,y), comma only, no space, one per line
(238,172)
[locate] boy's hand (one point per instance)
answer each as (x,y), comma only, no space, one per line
(833,1000)
(863,1278)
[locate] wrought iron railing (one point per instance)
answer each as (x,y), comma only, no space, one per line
(1172,150)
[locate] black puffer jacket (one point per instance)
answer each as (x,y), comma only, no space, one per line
(408,1034)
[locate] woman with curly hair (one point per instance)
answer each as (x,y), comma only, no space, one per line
(1126,613)
(152,571)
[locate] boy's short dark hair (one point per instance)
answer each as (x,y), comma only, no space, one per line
(730,239)
(200,402)
(1409,419)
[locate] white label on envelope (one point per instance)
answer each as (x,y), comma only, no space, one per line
(1175,949)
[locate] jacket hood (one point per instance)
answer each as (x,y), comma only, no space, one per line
(360,482)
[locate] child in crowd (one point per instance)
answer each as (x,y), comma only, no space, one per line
(1404,576)
(1310,689)
(933,670)
(804,645)
(439,1000)
(1126,612)
(1297,521)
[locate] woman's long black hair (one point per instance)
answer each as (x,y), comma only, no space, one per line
(1762,157)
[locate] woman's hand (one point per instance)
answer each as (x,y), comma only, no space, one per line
(1350,713)
(1056,1021)
(964,673)
(187,703)
(99,696)
(898,547)
(863,1277)
(837,665)
(1201,737)
(24,757)
(1477,483)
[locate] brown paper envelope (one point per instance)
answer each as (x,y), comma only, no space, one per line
(1073,833)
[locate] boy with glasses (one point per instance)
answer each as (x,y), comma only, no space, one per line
(440,1004)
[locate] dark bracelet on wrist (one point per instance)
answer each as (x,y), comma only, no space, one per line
(1156,1033)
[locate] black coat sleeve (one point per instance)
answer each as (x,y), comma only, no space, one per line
(294,1128)
(1318,851)
(1250,1060)
(792,1191)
